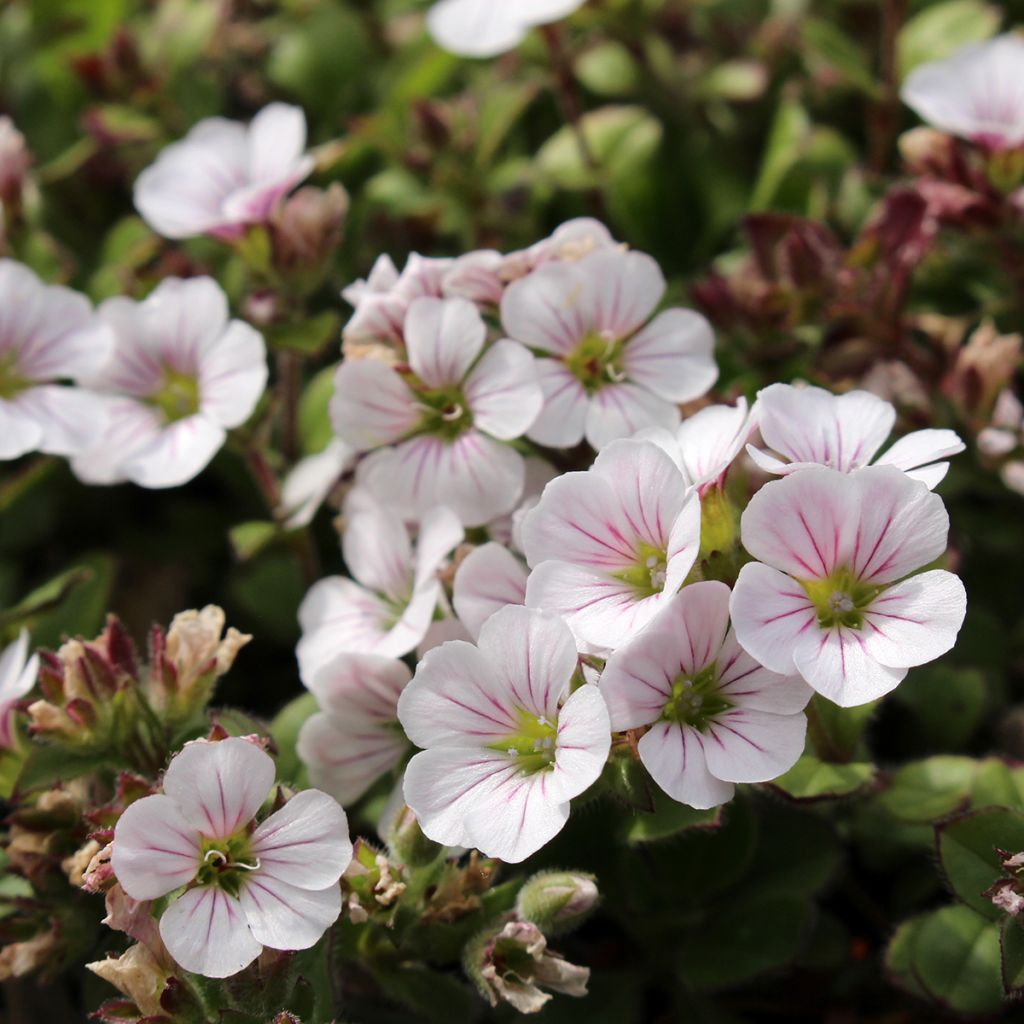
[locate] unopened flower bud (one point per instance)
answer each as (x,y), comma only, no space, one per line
(15,161)
(407,842)
(926,151)
(514,965)
(557,901)
(306,231)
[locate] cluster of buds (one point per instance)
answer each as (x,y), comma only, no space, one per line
(371,884)
(1008,892)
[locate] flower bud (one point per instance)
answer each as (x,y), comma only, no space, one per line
(137,974)
(15,161)
(407,842)
(305,232)
(557,901)
(513,965)
(1008,893)
(983,368)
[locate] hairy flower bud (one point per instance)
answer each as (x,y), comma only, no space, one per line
(407,842)
(557,901)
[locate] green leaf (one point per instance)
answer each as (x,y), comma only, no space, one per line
(790,129)
(500,111)
(940,29)
(669,818)
(249,539)
(925,790)
(45,598)
(899,958)
(957,958)
(1011,945)
(311,336)
(836,733)
(731,947)
(831,50)
(813,779)
(967,850)
(608,69)
(238,722)
(948,704)
(315,430)
(285,730)
(626,780)
(50,763)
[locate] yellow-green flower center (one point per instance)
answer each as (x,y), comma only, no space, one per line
(446,412)
(178,398)
(595,361)
(226,863)
(647,575)
(11,382)
(533,745)
(841,599)
(696,700)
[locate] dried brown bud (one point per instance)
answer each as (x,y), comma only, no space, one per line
(137,974)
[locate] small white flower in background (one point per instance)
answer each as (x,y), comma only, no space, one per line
(18,674)
(448,414)
(604,373)
(977,93)
(609,547)
(707,443)
(310,482)
(15,161)
(485,28)
(390,602)
(717,717)
(834,598)
(248,886)
(224,175)
(813,427)
(1004,437)
(48,333)
(355,738)
(507,745)
(180,376)
(488,578)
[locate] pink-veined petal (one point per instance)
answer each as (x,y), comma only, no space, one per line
(839,665)
(922,448)
(176,455)
(583,743)
(233,375)
(503,391)
(548,310)
(621,290)
(372,405)
(743,745)
(675,757)
(748,684)
(562,419)
(378,552)
(673,356)
(206,932)
(283,916)
(488,579)
(443,338)
(620,410)
(439,534)
(156,850)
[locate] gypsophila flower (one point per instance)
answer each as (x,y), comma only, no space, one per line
(813,427)
(181,375)
(448,414)
(609,547)
(224,176)
(18,674)
(355,737)
(388,605)
(482,28)
(488,579)
(978,93)
(247,886)
(507,744)
(47,334)
(716,716)
(604,373)
(835,598)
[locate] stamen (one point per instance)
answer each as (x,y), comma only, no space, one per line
(453,413)
(216,855)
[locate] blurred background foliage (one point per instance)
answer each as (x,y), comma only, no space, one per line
(673,121)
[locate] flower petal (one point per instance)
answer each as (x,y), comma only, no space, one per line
(561,421)
(503,392)
(233,375)
(175,455)
(673,356)
(206,932)
(443,338)
(748,684)
(584,741)
(743,745)
(620,410)
(219,787)
(156,850)
(372,405)
(548,310)
(622,289)
(283,916)
(675,757)
(839,665)
(922,448)
(378,552)
(489,578)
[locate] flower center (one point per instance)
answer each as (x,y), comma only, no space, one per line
(648,574)
(446,412)
(226,862)
(696,700)
(533,745)
(595,361)
(11,382)
(179,397)
(840,599)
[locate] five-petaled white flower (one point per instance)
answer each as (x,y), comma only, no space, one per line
(507,744)
(835,598)
(610,546)
(179,377)
(604,373)
(389,603)
(18,674)
(977,93)
(247,886)
(448,413)
(485,28)
(224,176)
(717,717)
(47,334)
(355,738)
(813,427)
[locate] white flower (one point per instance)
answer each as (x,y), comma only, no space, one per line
(717,717)
(391,601)
(47,334)
(355,738)
(448,413)
(978,93)
(489,578)
(835,599)
(18,674)
(705,444)
(180,376)
(310,481)
(813,427)
(507,745)
(275,884)
(225,175)
(605,375)
(485,28)
(609,547)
